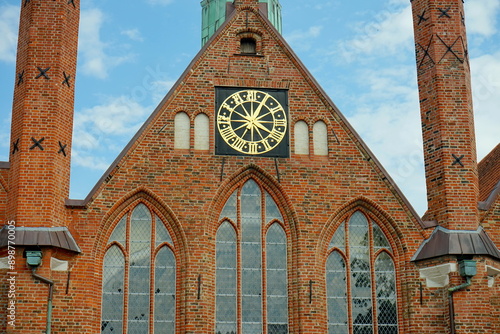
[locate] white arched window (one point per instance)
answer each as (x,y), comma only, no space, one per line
(320,138)
(201,132)
(301,138)
(126,307)
(255,261)
(182,131)
(356,245)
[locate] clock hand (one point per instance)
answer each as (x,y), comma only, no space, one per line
(261,104)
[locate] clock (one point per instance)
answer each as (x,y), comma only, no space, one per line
(252,122)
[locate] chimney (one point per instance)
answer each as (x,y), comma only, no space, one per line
(446,111)
(42,114)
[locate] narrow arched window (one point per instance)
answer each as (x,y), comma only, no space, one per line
(128,282)
(301,138)
(182,131)
(320,138)
(112,290)
(252,273)
(360,266)
(201,132)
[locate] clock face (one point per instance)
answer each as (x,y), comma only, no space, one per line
(252,122)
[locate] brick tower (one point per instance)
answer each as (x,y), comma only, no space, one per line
(458,246)
(447,114)
(42,115)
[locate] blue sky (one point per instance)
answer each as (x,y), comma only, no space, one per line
(361,52)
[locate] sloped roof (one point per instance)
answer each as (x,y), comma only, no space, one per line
(489,178)
(444,242)
(40,236)
(287,49)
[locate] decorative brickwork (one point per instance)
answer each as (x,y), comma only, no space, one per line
(447,113)
(189,189)
(42,121)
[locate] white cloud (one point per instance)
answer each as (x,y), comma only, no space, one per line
(301,40)
(133,34)
(9,23)
(387,34)
(387,116)
(486,93)
(103,130)
(95,61)
(481,16)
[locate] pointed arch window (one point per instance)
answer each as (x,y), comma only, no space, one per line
(139,241)
(251,265)
(360,265)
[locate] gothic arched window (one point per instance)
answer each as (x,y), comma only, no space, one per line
(251,265)
(139,241)
(360,265)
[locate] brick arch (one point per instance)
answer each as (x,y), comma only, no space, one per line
(266,181)
(130,201)
(391,230)
(290,223)
(156,204)
(372,210)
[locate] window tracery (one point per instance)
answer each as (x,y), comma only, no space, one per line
(139,241)
(361,279)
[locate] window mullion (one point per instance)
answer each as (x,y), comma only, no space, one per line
(350,320)
(152,255)
(127,274)
(372,275)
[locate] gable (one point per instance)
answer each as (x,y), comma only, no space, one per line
(346,162)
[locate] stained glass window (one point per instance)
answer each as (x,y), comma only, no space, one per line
(262,282)
(112,291)
(355,246)
(126,303)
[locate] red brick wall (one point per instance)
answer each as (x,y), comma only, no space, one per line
(43,108)
(447,113)
(188,189)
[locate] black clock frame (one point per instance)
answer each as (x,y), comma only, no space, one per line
(281,150)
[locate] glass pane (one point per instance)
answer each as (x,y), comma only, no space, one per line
(226,279)
(141,212)
(336,285)
(229,210)
(277,329)
(112,291)
(251,257)
(272,211)
(338,239)
(137,327)
(252,309)
(386,294)
(277,292)
(118,234)
(162,234)
(164,305)
(251,201)
(140,258)
(379,239)
(360,274)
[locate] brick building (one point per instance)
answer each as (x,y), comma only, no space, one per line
(246,203)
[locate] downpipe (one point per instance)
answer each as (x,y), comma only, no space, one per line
(467,269)
(50,283)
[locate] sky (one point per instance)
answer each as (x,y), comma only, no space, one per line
(360,51)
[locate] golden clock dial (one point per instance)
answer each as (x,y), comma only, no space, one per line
(251,121)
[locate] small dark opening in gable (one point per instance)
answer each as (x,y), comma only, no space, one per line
(248,45)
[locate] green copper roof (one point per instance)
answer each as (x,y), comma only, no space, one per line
(214,14)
